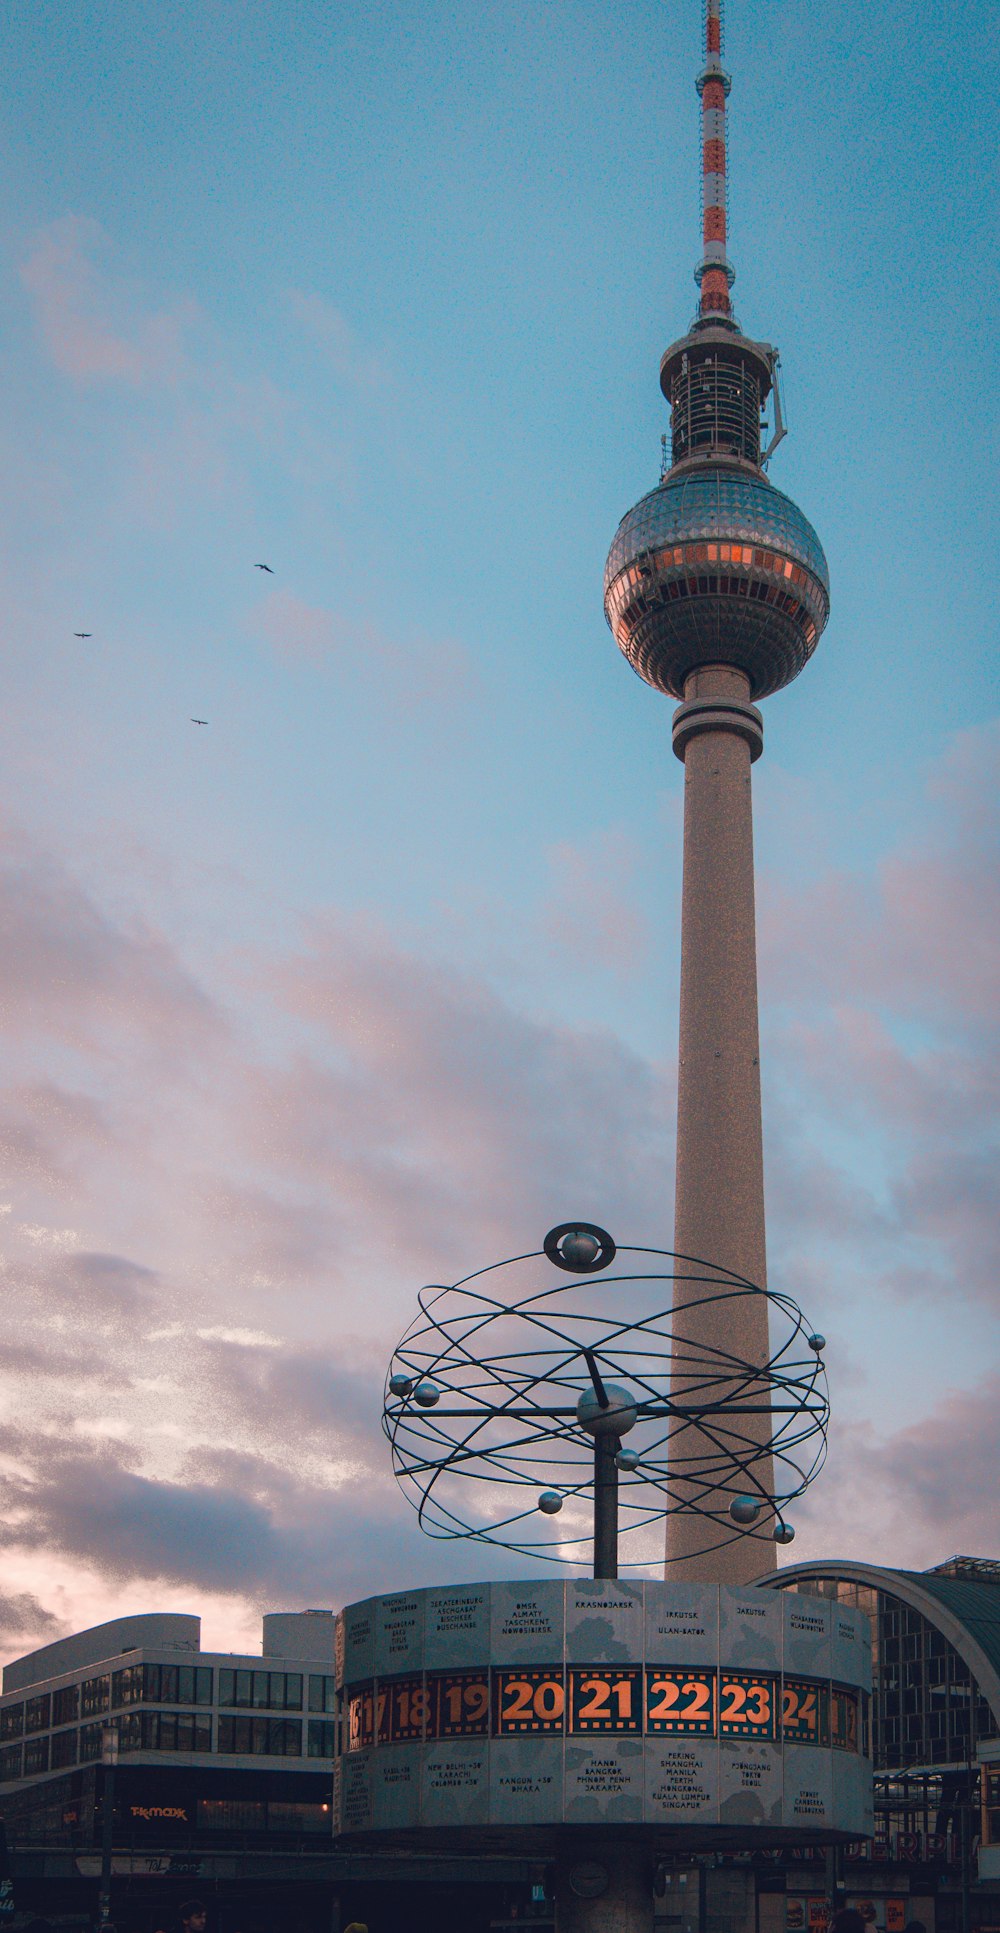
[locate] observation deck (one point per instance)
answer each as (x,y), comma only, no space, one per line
(716,566)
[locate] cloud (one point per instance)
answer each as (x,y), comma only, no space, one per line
(918,936)
(592,914)
(445,1116)
(934,1491)
(880,1050)
(343,349)
(46,1132)
(84,318)
(23,1620)
(69,970)
(209,1256)
(419,671)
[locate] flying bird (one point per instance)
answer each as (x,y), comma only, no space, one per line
(199,721)
(83,634)
(264,567)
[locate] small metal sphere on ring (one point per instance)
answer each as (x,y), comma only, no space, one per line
(744,1510)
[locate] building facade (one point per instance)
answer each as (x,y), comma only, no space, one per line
(935,1717)
(222,1789)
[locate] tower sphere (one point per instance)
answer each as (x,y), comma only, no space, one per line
(716,566)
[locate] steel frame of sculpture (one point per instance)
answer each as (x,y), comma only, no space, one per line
(513,1388)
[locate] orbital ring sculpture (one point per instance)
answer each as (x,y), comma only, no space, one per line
(511,1392)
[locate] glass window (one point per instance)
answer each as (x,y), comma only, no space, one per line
(126,1686)
(90,1743)
(63,1749)
(130,1732)
(11,1721)
(292,1698)
(285,1815)
(66,1705)
(322,1738)
(38,1713)
(262,1689)
(231,1815)
(36,1756)
(179,1731)
(234,1734)
(10,1762)
(322,1693)
(168,1684)
(95,1696)
(271,1737)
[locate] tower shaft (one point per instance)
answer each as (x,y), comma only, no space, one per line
(719,1207)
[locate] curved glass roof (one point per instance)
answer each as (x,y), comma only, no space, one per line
(976,1605)
(716,502)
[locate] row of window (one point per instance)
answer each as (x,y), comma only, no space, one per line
(927,1707)
(162,1685)
(678,588)
(751,556)
(170,1732)
(155,1684)
(261,1690)
(262,1815)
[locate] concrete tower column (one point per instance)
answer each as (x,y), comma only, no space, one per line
(719,1208)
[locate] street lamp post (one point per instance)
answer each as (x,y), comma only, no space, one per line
(109,1759)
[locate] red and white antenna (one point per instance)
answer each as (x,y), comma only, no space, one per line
(714,274)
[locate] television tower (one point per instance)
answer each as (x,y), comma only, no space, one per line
(716,589)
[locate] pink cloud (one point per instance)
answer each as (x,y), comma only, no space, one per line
(419,671)
(75,308)
(346,354)
(935,1492)
(880,1042)
(920,936)
(592,914)
(69,970)
(378,1117)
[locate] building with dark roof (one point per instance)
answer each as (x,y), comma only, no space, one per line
(935,1716)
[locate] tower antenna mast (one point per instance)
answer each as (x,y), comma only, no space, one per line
(714,274)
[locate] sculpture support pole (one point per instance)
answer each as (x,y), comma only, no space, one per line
(606,1448)
(624,1874)
(719,1211)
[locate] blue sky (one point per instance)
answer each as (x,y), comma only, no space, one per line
(373,978)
